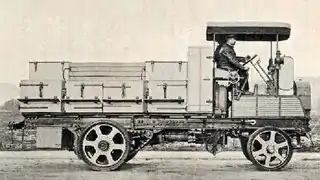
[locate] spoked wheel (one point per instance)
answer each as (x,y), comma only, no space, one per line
(244,142)
(104,145)
(270,148)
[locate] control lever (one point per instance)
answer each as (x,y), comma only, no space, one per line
(258,64)
(254,56)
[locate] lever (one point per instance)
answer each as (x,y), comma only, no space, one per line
(254,56)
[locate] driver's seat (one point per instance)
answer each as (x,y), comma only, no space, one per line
(222,75)
(223,78)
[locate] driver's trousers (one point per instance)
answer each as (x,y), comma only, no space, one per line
(244,75)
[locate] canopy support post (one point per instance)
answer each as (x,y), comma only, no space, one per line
(213,79)
(271,56)
(277,69)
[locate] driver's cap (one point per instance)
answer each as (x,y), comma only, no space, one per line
(230,36)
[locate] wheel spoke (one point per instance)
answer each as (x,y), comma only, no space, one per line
(90,143)
(118,146)
(268,160)
(98,131)
(260,140)
(282,159)
(281,145)
(258,153)
(272,137)
(95,157)
(109,158)
(113,132)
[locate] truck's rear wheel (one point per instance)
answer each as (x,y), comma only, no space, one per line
(104,145)
(269,148)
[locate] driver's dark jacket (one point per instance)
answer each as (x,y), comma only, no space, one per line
(226,58)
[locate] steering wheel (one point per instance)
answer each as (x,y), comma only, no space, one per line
(233,77)
(254,56)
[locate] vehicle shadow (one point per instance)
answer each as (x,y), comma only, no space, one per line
(73,167)
(131,166)
(164,166)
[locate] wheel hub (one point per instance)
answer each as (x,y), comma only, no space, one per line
(271,149)
(103,145)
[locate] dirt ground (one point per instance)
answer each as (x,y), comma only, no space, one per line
(55,165)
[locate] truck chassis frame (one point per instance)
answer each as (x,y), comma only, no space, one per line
(140,130)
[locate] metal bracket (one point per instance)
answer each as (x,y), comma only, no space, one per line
(41,89)
(180,100)
(209,57)
(82,90)
(64,92)
(152,65)
(35,66)
(209,101)
(180,66)
(165,86)
(123,90)
(147,92)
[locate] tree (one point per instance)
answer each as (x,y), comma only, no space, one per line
(12,105)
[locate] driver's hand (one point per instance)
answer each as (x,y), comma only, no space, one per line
(246,68)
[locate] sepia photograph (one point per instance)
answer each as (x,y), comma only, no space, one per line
(159,89)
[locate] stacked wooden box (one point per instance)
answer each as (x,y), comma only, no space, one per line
(167,86)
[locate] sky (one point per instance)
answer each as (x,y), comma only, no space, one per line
(142,30)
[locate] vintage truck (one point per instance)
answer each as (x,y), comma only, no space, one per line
(106,112)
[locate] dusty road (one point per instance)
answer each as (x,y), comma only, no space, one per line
(153,165)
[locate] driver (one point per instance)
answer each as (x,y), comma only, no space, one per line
(227,59)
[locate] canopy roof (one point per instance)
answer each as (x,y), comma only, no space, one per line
(248,31)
